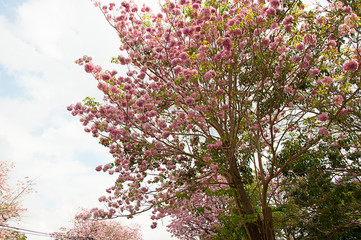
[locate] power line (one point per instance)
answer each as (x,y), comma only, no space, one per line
(26,231)
(41,234)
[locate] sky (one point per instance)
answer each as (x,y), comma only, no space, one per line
(39,42)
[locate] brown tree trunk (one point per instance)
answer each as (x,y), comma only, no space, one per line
(262,228)
(268,223)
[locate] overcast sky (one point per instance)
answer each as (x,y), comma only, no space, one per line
(39,42)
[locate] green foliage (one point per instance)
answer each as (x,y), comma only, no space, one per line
(323,197)
(90,102)
(231,228)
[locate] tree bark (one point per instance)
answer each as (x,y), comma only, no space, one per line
(260,229)
(268,223)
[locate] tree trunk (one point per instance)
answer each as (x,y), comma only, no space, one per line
(268,230)
(260,229)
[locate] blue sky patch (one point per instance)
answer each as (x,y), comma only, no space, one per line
(8,84)
(8,8)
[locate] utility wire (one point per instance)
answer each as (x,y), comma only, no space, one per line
(41,234)
(26,231)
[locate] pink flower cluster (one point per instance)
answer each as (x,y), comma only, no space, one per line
(350,66)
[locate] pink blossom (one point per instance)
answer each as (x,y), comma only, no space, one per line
(242,45)
(281,49)
(218,144)
(154,225)
(296,59)
(227,44)
(89,67)
(189,100)
(264,43)
(323,131)
(338,100)
(257,31)
(301,99)
(351,19)
(320,20)
(305,64)
(347,9)
(106,76)
(218,56)
(206,12)
(333,43)
(219,92)
(343,28)
(275,3)
(186,31)
(98,168)
(231,22)
(309,39)
(102,86)
(271,11)
(97,69)
(350,66)
(210,146)
(106,167)
(166,134)
(177,70)
(287,89)
(322,117)
(148,153)
(326,80)
(272,46)
(162,124)
(140,102)
(314,72)
(184,56)
(196,6)
(299,47)
(260,20)
(288,20)
(210,74)
(288,28)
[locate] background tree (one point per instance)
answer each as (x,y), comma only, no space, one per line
(217,89)
(10,197)
(87,228)
(323,193)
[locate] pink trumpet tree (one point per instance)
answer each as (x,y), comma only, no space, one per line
(87,228)
(10,196)
(214,90)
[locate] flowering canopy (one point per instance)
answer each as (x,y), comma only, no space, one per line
(213,92)
(87,228)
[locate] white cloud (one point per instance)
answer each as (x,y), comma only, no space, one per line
(39,46)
